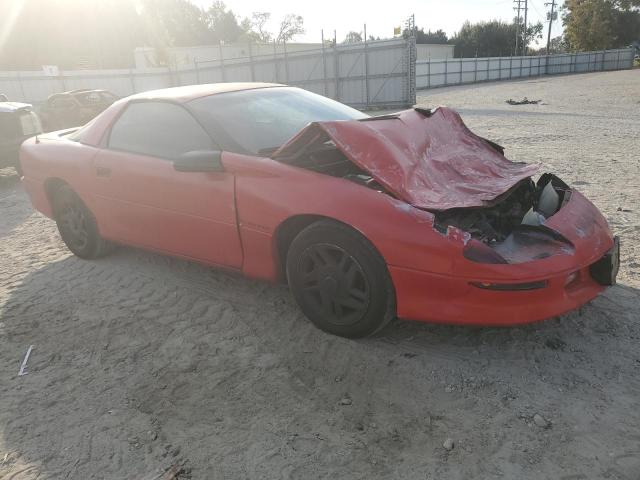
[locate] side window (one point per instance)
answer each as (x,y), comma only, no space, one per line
(159,129)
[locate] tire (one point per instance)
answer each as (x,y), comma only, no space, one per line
(77,225)
(340,281)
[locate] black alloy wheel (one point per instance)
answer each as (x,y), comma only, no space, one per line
(334,283)
(340,280)
(77,225)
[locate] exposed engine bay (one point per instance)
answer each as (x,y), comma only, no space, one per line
(327,159)
(527,204)
(508,230)
(512,229)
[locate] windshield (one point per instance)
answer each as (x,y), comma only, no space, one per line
(261,120)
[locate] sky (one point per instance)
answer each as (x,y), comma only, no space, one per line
(381,17)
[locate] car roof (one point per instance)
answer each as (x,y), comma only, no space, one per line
(191,92)
(6,107)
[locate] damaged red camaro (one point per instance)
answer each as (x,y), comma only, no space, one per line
(367,218)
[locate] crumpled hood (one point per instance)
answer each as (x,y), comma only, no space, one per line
(430,160)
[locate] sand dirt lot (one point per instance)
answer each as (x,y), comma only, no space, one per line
(143,362)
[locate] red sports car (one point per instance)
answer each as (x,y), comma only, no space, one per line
(367,218)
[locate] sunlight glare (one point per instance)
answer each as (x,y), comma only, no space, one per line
(8,21)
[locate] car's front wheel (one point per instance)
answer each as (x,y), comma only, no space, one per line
(340,280)
(77,225)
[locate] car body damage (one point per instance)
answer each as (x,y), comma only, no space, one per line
(432,161)
(441,225)
(427,158)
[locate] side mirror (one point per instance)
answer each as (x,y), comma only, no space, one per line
(199,161)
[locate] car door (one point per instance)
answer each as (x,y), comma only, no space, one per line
(141,199)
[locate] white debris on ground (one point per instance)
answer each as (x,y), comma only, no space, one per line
(146,364)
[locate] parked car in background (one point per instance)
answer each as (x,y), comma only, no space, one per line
(18,122)
(74,108)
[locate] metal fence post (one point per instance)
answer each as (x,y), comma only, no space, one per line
(572,64)
(475,69)
(366,65)
(602,64)
(413,58)
(460,71)
(511,66)
(521,58)
(286,62)
(429,72)
(324,65)
(618,60)
(336,70)
(251,66)
(446,70)
(500,67)
(488,62)
(275,61)
(195,66)
(222,72)
(24,96)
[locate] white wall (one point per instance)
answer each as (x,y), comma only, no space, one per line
(377,77)
(457,71)
(434,51)
(145,57)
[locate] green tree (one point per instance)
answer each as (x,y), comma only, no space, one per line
(223,24)
(437,37)
(258,26)
(353,37)
(290,26)
(170,23)
(601,24)
(492,38)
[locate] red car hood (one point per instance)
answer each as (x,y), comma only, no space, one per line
(430,160)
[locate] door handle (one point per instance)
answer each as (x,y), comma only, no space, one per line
(103,172)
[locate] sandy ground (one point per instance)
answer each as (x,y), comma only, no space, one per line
(141,362)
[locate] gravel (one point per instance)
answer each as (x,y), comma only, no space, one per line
(216,364)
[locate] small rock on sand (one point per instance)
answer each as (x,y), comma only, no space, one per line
(448,444)
(540,421)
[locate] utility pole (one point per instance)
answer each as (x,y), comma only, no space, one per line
(525,39)
(551,16)
(518,8)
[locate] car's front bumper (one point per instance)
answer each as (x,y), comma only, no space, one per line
(570,280)
(427,297)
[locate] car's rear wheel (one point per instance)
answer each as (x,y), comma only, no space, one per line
(77,225)
(340,280)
